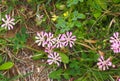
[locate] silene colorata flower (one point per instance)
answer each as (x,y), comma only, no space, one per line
(54,58)
(50,40)
(41,38)
(104,64)
(8,23)
(68,39)
(49,49)
(59,41)
(115,42)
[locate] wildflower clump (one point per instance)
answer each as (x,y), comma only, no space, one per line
(49,42)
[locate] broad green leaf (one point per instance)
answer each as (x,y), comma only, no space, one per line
(56,74)
(96,14)
(65,58)
(6,66)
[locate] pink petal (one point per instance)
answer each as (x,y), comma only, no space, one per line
(100,67)
(99,63)
(10,27)
(116,35)
(109,64)
(12,20)
(50,61)
(104,68)
(3,20)
(3,25)
(58,64)
(71,44)
(70,34)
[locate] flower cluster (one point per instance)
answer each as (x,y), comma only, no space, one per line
(49,42)
(104,64)
(115,42)
(8,22)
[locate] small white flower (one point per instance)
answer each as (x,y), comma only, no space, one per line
(8,23)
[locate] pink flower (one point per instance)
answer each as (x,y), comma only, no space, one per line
(49,49)
(104,64)
(8,23)
(50,39)
(114,38)
(54,58)
(115,42)
(115,47)
(40,38)
(59,41)
(68,39)
(119,79)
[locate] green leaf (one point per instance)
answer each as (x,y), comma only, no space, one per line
(72,2)
(81,0)
(81,16)
(60,6)
(77,15)
(74,64)
(78,24)
(102,4)
(116,1)
(37,56)
(6,66)
(94,5)
(56,74)
(66,75)
(61,23)
(23,30)
(65,58)
(81,79)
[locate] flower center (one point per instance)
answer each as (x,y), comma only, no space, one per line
(68,39)
(104,63)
